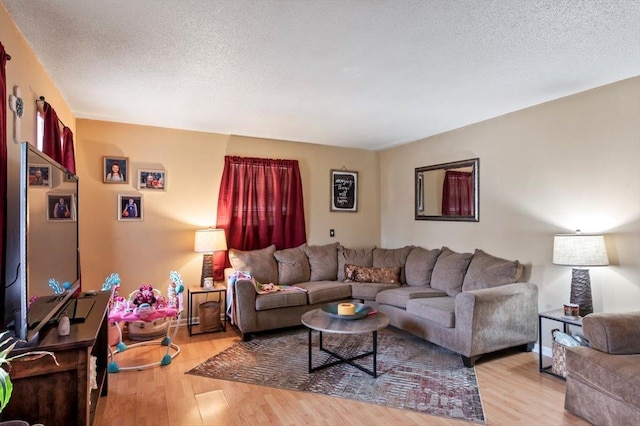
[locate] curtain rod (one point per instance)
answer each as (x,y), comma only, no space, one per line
(42,100)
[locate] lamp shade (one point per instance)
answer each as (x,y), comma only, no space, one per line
(210,240)
(579,250)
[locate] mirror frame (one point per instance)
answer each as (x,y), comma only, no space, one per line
(419,193)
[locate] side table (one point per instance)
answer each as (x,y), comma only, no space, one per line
(558,316)
(221,290)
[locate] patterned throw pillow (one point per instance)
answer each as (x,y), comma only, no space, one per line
(365,274)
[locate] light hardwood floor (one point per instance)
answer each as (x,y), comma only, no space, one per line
(512,390)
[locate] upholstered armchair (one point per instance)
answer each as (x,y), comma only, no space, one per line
(603,381)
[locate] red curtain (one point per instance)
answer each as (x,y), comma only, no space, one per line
(260,203)
(51,139)
(3,170)
(457,194)
(68,152)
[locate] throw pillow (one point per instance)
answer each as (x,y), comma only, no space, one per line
(360,257)
(365,274)
(449,271)
(486,271)
(419,266)
(323,261)
(392,257)
(293,265)
(259,263)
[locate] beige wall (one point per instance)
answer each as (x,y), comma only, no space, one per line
(147,250)
(553,168)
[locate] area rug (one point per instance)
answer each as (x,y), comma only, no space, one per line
(413,374)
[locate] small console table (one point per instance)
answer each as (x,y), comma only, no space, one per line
(558,316)
(221,291)
(51,394)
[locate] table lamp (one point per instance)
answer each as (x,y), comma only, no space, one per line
(209,241)
(580,250)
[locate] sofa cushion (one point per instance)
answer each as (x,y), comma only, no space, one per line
(419,266)
(399,296)
(325,291)
(441,310)
(368,291)
(293,265)
(280,299)
(383,258)
(487,271)
(323,261)
(366,274)
(360,257)
(449,271)
(259,263)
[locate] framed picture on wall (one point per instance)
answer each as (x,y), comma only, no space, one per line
(153,180)
(115,170)
(130,207)
(344,191)
(40,175)
(61,207)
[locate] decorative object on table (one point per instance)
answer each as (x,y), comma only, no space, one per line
(152,180)
(115,170)
(130,207)
(344,190)
(7,343)
(146,309)
(580,250)
(64,325)
(414,374)
(57,289)
(208,241)
(353,312)
(571,310)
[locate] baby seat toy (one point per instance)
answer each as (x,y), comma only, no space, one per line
(149,316)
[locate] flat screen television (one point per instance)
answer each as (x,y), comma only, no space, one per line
(48,244)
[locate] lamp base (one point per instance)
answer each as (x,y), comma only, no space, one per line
(207,268)
(581,290)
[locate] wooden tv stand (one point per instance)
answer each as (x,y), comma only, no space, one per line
(61,395)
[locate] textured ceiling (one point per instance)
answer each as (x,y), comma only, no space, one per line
(365,73)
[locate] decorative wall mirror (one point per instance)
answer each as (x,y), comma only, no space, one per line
(448,191)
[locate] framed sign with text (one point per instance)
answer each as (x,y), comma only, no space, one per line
(344,191)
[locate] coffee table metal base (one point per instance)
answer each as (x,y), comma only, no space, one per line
(343,360)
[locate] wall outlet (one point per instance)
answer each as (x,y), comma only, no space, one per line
(332,233)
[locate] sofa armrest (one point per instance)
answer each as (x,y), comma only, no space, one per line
(613,333)
(245,305)
(498,317)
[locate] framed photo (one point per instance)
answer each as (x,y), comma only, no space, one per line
(115,170)
(153,180)
(69,177)
(130,207)
(61,207)
(40,175)
(344,191)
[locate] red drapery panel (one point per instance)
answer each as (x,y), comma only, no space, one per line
(68,152)
(51,140)
(457,194)
(260,203)
(3,169)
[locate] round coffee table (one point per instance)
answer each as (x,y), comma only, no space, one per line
(324,323)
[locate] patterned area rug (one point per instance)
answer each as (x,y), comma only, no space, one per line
(412,374)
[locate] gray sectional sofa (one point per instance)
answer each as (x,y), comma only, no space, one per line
(469,303)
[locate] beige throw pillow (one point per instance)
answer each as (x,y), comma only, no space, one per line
(323,261)
(486,271)
(360,257)
(259,263)
(293,266)
(419,266)
(449,271)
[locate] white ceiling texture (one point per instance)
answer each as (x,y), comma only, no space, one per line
(355,73)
